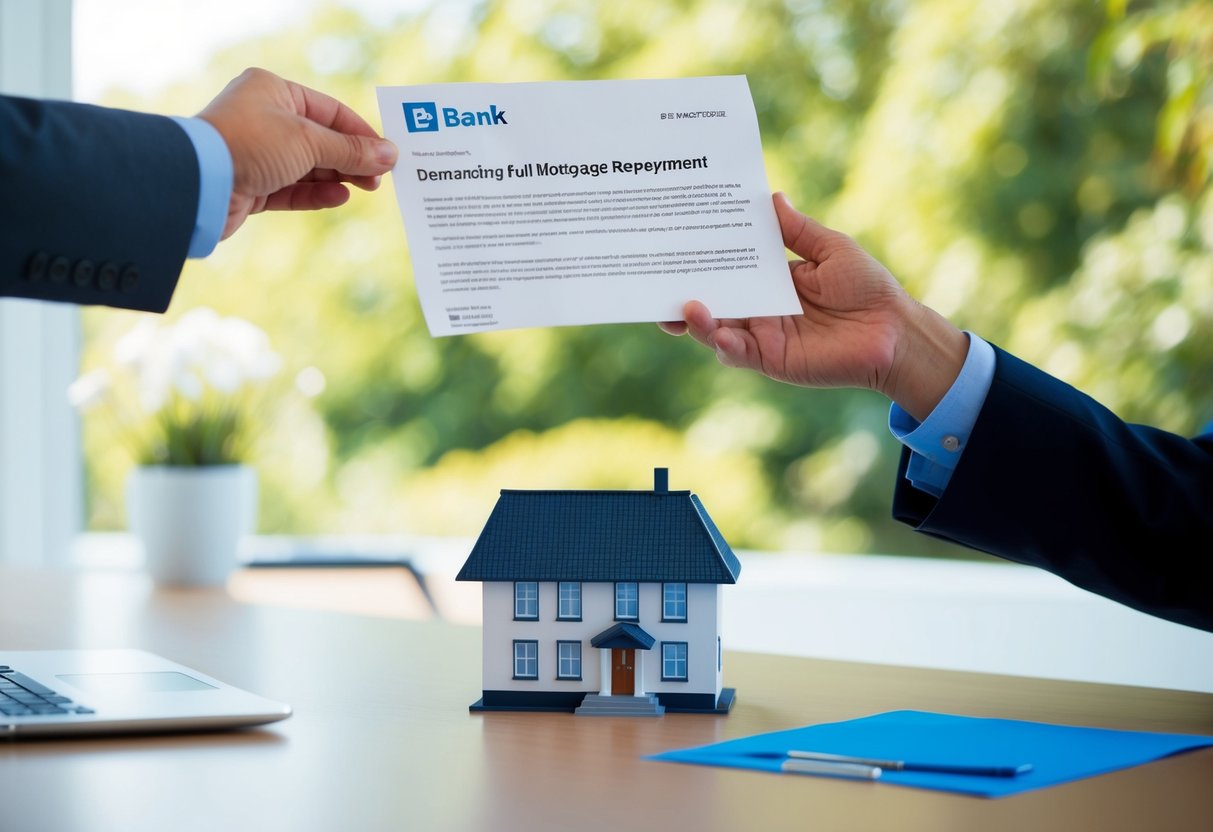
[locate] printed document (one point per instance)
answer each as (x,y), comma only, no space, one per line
(583,202)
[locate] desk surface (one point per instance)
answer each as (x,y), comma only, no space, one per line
(382,739)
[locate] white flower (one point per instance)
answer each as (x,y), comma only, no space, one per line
(155,380)
(194,337)
(202,350)
(201,363)
(189,385)
(223,374)
(249,348)
(136,344)
(89,389)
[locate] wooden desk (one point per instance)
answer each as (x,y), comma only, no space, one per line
(381,738)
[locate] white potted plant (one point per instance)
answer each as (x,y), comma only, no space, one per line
(181,396)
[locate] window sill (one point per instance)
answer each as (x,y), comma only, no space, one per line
(985,616)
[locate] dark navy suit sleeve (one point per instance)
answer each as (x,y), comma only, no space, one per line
(1053,479)
(97,206)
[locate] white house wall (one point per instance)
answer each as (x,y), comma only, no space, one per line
(700,632)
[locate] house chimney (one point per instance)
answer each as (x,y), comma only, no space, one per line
(661,480)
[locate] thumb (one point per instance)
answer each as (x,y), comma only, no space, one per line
(349,154)
(806,237)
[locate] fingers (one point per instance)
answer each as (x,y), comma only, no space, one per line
(731,349)
(346,143)
(698,321)
(695,312)
(329,112)
(803,235)
(366,183)
(351,154)
(342,139)
(302,196)
(308,196)
(280,132)
(721,336)
(729,339)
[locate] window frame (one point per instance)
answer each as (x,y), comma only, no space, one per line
(518,599)
(635,600)
(685,660)
(560,674)
(665,602)
(42,478)
(534,657)
(560,601)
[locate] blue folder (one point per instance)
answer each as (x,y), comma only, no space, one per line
(1057,753)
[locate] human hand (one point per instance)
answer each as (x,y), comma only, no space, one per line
(858,327)
(292,148)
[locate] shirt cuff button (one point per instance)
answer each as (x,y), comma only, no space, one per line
(950,443)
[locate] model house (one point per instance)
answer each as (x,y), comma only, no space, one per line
(603,602)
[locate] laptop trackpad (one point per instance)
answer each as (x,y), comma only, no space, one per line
(128,683)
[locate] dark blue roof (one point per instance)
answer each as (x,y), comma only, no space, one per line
(624,635)
(600,536)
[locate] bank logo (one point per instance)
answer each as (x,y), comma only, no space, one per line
(421,116)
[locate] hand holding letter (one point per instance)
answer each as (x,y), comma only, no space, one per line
(567,203)
(859,327)
(292,147)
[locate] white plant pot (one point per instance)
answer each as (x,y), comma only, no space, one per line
(190,519)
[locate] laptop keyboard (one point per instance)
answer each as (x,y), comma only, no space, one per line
(22,696)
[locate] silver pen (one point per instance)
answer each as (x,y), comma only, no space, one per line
(853,771)
(906,765)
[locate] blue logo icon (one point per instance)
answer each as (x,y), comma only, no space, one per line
(421,116)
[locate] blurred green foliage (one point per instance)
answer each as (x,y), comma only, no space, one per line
(1037,170)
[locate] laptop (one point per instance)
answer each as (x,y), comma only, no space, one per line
(64,692)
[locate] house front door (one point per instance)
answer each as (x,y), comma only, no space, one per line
(623,671)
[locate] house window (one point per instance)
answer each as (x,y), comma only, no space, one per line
(526,660)
(673,661)
(568,660)
(526,601)
(673,602)
(627,600)
(569,607)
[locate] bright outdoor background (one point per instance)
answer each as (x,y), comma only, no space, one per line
(1037,170)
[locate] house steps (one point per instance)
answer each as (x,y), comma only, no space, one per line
(597,705)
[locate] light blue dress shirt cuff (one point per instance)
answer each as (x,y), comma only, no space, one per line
(214,184)
(937,443)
